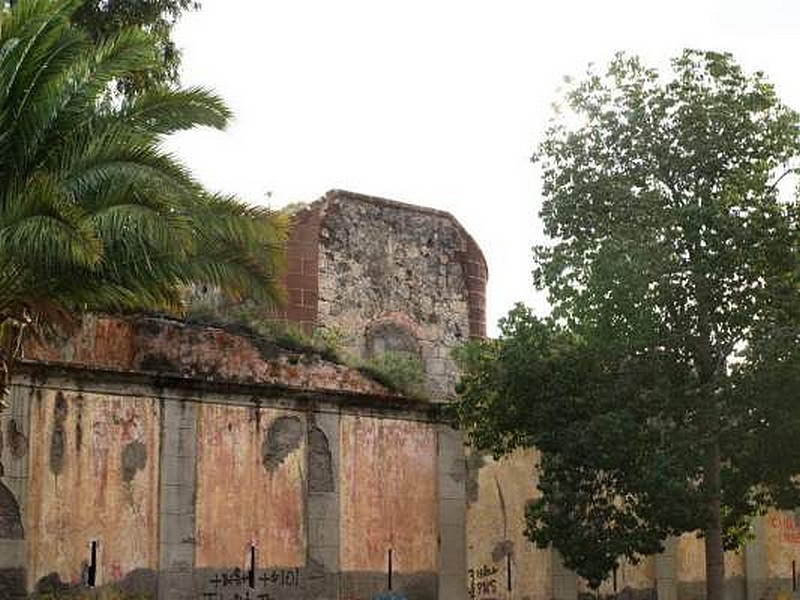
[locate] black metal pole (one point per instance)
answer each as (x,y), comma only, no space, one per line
(91,576)
(390,569)
(251,574)
(508,570)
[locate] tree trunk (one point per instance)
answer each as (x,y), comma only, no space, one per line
(715,557)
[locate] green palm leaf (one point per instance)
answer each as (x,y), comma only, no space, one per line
(94,214)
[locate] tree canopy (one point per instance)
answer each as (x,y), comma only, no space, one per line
(103,19)
(659,389)
(94,214)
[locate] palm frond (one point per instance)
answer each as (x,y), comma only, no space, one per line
(165,111)
(94,214)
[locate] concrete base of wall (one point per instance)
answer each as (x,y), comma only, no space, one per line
(12,583)
(414,586)
(735,589)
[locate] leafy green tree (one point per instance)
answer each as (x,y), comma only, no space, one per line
(94,214)
(103,19)
(660,389)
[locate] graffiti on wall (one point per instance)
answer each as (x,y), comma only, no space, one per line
(239,584)
(484,583)
(787,525)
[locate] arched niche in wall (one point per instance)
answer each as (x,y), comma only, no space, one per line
(394,332)
(10,518)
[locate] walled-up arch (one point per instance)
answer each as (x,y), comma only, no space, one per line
(393,332)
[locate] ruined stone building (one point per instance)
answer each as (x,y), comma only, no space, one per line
(158,459)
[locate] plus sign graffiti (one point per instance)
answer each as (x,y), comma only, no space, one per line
(272,584)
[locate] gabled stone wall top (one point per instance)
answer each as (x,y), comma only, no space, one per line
(372,267)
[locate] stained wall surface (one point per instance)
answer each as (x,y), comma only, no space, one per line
(93,477)
(497,492)
(179,487)
(225,460)
(388,499)
(250,486)
(690,570)
(502,562)
(782,543)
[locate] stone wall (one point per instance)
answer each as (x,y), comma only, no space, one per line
(93,475)
(410,277)
(172,461)
(217,450)
(502,563)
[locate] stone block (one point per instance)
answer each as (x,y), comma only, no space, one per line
(177,499)
(453,553)
(452,587)
(323,532)
(177,557)
(327,556)
(451,486)
(177,470)
(323,506)
(12,554)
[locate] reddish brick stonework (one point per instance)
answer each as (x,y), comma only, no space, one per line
(302,281)
(476,274)
(303,257)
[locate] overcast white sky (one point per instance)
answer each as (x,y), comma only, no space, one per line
(435,102)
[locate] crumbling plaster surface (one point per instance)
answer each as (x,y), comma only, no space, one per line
(254,473)
(388,478)
(690,570)
(93,476)
(388,497)
(781,543)
(171,347)
(250,464)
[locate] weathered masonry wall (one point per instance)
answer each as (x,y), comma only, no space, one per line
(502,563)
(92,475)
(390,276)
(200,466)
(497,491)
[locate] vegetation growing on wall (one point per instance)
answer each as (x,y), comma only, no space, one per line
(268,333)
(401,372)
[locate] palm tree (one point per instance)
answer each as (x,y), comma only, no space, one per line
(94,214)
